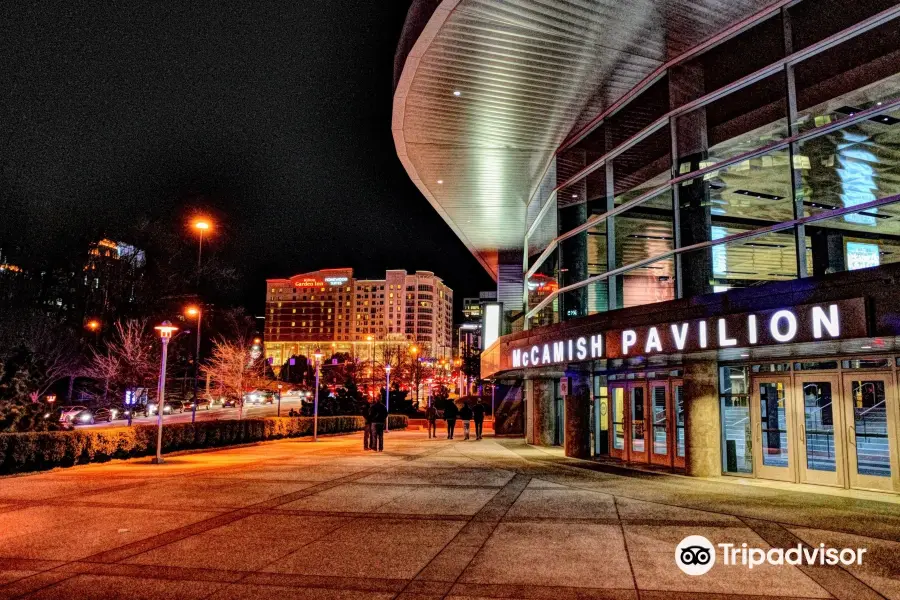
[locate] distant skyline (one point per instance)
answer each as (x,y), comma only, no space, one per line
(275,118)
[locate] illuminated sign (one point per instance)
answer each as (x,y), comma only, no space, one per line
(491,329)
(335,280)
(862,256)
(308,282)
(805,323)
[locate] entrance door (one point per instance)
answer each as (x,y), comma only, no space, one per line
(617,414)
(770,411)
(660,439)
(678,419)
(818,415)
(870,414)
(638,423)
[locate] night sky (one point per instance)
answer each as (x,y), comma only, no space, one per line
(275,116)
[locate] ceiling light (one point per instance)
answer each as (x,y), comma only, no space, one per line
(440,182)
(574,195)
(760,195)
(457,93)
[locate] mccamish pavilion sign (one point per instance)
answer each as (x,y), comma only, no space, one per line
(805,323)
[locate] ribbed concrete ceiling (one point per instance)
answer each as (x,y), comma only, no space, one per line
(527,72)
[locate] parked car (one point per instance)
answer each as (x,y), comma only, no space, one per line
(259,397)
(228,402)
(89,416)
(201,403)
(171,406)
(69,412)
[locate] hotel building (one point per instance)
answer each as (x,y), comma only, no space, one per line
(334,312)
(692,212)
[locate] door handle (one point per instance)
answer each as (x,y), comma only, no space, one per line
(851,434)
(803,434)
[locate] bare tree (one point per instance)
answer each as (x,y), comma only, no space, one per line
(48,351)
(129,358)
(231,368)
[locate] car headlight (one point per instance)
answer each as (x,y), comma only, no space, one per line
(47,416)
(167,409)
(85,417)
(127,413)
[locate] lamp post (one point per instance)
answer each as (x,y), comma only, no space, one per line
(372,376)
(166,329)
(318,357)
(201,225)
(197,312)
(387,397)
(414,350)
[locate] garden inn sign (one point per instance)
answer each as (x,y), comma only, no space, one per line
(805,323)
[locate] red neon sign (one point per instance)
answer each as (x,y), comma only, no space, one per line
(309,283)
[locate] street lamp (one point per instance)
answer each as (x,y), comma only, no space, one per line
(372,378)
(414,350)
(202,226)
(93,325)
(318,357)
(166,329)
(387,397)
(195,312)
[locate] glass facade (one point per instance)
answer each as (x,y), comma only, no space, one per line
(727,173)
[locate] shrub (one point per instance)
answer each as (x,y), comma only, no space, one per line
(35,451)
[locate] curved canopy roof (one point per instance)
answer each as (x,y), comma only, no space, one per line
(486,90)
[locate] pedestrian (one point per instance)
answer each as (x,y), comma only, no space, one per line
(379,415)
(478,417)
(431,416)
(466,415)
(367,428)
(450,416)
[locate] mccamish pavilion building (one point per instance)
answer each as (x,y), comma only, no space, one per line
(692,211)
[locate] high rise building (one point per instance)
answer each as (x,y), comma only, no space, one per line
(692,212)
(335,312)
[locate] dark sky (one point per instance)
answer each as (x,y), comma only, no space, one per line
(276,115)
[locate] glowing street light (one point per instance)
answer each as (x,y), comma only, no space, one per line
(387,397)
(318,357)
(202,225)
(195,312)
(166,330)
(93,325)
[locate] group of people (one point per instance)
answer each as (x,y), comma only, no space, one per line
(466,414)
(376,415)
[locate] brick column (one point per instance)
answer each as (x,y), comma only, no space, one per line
(577,441)
(703,427)
(540,404)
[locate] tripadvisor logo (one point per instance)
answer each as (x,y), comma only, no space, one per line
(696,555)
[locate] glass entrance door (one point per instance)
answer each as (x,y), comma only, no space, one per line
(870,414)
(771,414)
(660,424)
(818,414)
(638,417)
(617,413)
(678,418)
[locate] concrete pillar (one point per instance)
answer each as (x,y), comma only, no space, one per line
(827,252)
(685,84)
(540,405)
(573,261)
(577,441)
(702,425)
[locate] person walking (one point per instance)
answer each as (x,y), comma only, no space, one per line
(431,416)
(379,415)
(466,415)
(478,418)
(367,428)
(450,414)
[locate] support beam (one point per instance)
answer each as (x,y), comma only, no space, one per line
(577,442)
(702,422)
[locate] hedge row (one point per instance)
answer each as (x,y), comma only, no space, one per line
(48,449)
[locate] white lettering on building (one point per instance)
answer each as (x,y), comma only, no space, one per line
(830,322)
(775,328)
(724,340)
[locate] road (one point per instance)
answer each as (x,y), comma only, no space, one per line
(423,519)
(213,414)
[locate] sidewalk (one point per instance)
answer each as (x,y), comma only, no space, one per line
(424,519)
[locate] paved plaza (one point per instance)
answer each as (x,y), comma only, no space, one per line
(424,519)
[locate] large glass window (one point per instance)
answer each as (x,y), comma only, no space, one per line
(737,447)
